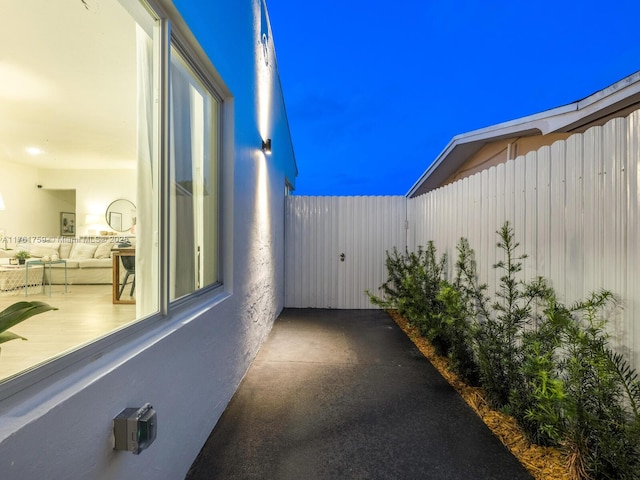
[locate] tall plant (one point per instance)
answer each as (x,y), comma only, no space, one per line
(551,367)
(499,336)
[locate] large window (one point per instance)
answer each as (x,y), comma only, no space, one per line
(81,130)
(193,130)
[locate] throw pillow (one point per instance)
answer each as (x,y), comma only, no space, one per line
(103,250)
(65,250)
(44,249)
(82,251)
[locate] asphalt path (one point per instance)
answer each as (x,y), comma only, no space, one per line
(344,394)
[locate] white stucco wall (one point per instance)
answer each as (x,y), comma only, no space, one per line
(187,364)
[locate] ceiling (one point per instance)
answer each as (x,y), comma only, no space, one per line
(68,84)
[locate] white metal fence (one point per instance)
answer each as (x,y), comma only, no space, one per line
(319,230)
(575,210)
(574,207)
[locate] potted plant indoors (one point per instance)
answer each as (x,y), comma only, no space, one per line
(22,256)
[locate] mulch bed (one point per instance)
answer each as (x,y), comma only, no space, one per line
(544,463)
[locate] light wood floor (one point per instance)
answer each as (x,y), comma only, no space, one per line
(84,314)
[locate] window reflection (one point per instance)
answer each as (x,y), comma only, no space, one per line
(194,184)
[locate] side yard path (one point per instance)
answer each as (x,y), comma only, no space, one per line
(344,394)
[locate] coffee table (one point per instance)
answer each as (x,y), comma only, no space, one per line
(15,278)
(44,264)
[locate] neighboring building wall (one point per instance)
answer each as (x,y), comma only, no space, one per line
(187,364)
(500,151)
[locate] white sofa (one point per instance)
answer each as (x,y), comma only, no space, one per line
(87,262)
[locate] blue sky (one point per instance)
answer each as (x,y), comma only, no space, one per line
(376,90)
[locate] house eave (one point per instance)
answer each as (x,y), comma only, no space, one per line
(574,117)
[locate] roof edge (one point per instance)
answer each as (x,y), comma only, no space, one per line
(565,118)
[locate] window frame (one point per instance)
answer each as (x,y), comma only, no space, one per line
(210,81)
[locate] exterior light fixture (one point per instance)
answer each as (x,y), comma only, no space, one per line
(266,146)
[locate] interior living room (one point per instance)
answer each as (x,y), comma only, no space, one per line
(69,152)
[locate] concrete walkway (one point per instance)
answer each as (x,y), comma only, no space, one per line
(344,394)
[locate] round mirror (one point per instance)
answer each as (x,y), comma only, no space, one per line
(121,215)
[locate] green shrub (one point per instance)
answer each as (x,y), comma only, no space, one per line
(458,332)
(462,303)
(537,402)
(412,287)
(601,435)
(548,365)
(397,289)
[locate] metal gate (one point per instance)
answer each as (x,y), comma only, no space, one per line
(335,248)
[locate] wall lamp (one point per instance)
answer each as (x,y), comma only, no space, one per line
(266,146)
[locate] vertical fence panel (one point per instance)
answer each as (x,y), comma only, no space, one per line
(500,207)
(557,220)
(592,210)
(290,248)
(484,244)
(615,277)
(475,219)
(530,233)
(632,294)
(574,231)
(509,192)
(519,206)
(543,200)
(491,219)
(466,197)
(411,222)
(499,215)
(448,245)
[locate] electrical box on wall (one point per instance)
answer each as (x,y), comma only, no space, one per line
(134,429)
